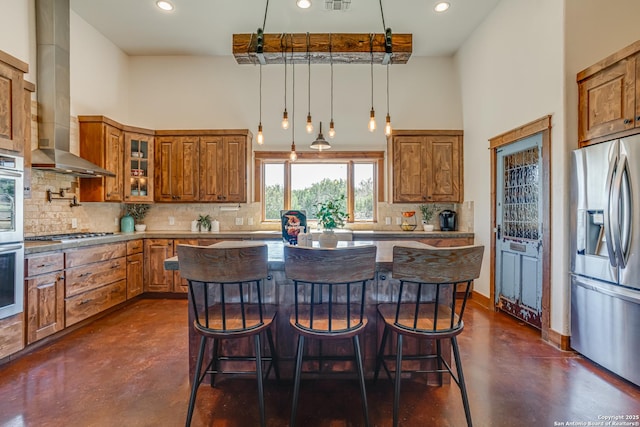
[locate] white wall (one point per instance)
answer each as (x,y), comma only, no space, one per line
(511,72)
(215,92)
(17,32)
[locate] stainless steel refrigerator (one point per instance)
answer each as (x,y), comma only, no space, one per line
(605,260)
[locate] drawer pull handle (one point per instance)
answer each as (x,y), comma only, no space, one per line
(627,121)
(85,301)
(382,277)
(88,273)
(115,266)
(60,277)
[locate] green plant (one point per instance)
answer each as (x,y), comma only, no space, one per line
(204,222)
(427,212)
(137,210)
(330,213)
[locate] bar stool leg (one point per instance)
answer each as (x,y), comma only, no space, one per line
(274,354)
(396,392)
(259,377)
(196,381)
(296,380)
(461,384)
(439,358)
(363,391)
(214,360)
(380,357)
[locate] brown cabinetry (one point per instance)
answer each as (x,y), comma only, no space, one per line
(138,167)
(201,166)
(95,280)
(135,268)
(609,97)
(427,166)
(101,142)
(44,284)
(12,109)
(157,279)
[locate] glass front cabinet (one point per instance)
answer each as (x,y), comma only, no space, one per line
(138,174)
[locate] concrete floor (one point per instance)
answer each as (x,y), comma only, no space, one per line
(130,369)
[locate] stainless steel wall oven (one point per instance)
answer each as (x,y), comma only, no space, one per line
(11,235)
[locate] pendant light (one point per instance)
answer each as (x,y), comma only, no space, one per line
(309,126)
(372,115)
(332,128)
(285,115)
(293,156)
(320,143)
(259,136)
(387,126)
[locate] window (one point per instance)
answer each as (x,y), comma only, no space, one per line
(281,184)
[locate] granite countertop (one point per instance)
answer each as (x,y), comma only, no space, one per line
(358,235)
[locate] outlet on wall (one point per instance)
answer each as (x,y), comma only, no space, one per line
(387,220)
(398,220)
(239,221)
(115,221)
(249,221)
(172,220)
(74,222)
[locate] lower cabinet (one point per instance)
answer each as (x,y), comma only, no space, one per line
(44,285)
(135,268)
(11,335)
(157,279)
(96,279)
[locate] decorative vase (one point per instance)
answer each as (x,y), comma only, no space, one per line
(427,227)
(141,227)
(126,224)
(328,239)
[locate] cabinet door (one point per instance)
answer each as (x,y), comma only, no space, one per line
(213,167)
(11,108)
(443,168)
(113,186)
(607,101)
(180,285)
(156,278)
(177,168)
(45,305)
(102,144)
(235,169)
(135,268)
(409,169)
(138,168)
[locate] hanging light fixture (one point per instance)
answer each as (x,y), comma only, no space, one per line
(372,115)
(293,156)
(309,121)
(285,115)
(320,143)
(259,136)
(332,128)
(387,126)
(303,4)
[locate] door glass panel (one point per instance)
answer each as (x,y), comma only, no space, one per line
(7,279)
(7,204)
(520,212)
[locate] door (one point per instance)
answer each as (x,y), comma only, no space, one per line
(628,209)
(518,225)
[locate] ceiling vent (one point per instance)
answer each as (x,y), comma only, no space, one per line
(337,4)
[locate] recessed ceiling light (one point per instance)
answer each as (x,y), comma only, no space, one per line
(441,7)
(303,4)
(164,5)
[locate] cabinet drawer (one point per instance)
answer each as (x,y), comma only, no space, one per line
(76,257)
(88,277)
(134,247)
(41,264)
(82,306)
(11,335)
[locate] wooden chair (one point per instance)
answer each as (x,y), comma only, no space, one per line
(226,299)
(427,306)
(329,293)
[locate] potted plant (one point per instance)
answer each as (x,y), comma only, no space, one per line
(330,216)
(427,211)
(204,223)
(138,211)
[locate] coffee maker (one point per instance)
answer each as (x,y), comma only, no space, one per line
(447,220)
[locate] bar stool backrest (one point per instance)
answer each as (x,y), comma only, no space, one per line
(225,285)
(427,300)
(330,284)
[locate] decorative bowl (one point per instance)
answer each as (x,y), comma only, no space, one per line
(408,227)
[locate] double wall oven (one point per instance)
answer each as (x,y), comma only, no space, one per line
(11,235)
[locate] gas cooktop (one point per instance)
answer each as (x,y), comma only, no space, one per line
(63,237)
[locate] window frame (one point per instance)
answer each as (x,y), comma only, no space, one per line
(348,157)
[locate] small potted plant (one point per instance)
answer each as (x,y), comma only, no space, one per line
(138,211)
(330,216)
(427,211)
(204,223)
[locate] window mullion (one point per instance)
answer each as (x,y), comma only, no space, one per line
(287,185)
(350,191)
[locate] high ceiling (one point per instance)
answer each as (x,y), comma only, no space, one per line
(205,27)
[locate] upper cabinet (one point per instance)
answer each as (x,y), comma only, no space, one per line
(201,166)
(12,108)
(609,97)
(123,150)
(426,166)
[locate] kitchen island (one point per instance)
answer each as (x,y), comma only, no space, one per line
(278,290)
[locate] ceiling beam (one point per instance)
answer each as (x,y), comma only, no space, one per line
(344,48)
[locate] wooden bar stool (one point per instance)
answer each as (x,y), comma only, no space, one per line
(226,298)
(329,292)
(427,307)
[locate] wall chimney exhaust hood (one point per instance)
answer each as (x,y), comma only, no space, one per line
(53,90)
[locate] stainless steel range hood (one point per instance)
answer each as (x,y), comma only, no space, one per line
(53,90)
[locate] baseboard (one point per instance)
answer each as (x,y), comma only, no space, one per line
(481,299)
(563,342)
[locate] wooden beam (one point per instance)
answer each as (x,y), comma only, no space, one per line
(344,48)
